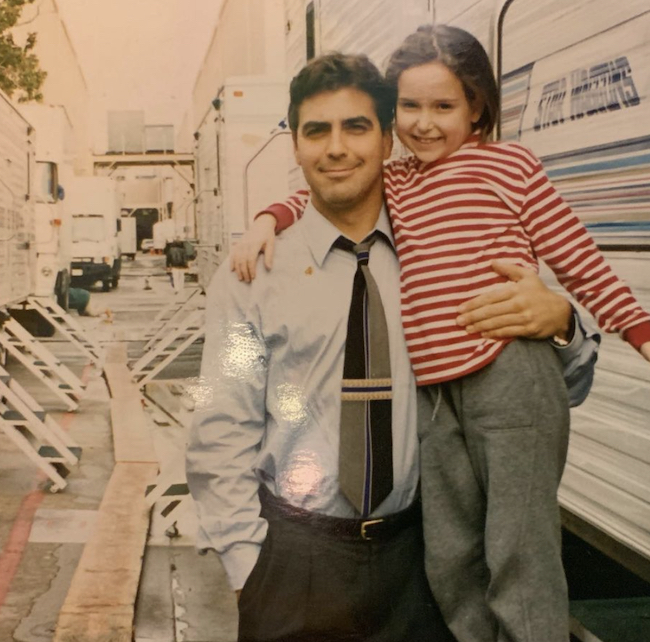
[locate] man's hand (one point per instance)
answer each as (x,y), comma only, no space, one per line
(260,238)
(523,308)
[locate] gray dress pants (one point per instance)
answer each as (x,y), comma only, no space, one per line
(493,448)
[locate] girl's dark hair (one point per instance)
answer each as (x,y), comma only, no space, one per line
(335,71)
(462,54)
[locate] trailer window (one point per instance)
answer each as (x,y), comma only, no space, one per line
(88,227)
(46,182)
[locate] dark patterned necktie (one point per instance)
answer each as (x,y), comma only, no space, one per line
(366,443)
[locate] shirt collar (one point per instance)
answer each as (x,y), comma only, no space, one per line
(320,234)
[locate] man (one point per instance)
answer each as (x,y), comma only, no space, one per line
(176,262)
(270,417)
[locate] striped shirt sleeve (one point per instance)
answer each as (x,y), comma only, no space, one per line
(287,213)
(562,241)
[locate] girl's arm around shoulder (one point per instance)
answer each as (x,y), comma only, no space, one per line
(260,238)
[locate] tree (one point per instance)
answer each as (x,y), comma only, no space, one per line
(20,72)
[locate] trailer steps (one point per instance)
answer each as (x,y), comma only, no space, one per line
(41,363)
(168,347)
(68,327)
(169,317)
(35,433)
(167,493)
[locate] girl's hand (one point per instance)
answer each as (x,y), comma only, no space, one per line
(260,238)
(645,350)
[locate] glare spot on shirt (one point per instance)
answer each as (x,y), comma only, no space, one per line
(240,357)
(303,476)
(291,404)
(241,352)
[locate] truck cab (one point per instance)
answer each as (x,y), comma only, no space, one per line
(52,235)
(93,208)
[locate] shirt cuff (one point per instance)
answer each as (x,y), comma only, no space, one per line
(283,216)
(575,343)
(238,562)
(637,335)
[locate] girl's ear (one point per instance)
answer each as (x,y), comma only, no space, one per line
(478,105)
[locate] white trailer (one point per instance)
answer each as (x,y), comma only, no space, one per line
(52,225)
(17,255)
(94,208)
(237,169)
(22,420)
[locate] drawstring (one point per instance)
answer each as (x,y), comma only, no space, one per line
(438,402)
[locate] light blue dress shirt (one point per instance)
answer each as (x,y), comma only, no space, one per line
(268,401)
(268,405)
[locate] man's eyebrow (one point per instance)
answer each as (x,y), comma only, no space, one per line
(357,120)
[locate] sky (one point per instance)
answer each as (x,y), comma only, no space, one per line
(140,54)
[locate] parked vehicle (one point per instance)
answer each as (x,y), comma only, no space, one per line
(127,237)
(93,206)
(17,248)
(53,242)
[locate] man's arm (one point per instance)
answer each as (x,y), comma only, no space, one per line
(525,307)
(228,426)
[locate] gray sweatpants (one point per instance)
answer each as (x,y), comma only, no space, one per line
(493,448)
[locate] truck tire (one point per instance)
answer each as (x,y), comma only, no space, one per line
(106,285)
(114,281)
(62,289)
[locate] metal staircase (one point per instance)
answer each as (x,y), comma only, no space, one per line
(67,326)
(170,317)
(41,363)
(36,434)
(168,347)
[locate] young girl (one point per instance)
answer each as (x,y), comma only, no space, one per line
(493,413)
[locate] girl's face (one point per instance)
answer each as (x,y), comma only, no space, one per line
(433,117)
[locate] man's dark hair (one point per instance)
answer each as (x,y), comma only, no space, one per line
(335,71)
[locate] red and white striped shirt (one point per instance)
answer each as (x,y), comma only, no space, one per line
(452,218)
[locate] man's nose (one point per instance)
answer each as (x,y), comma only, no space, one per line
(336,144)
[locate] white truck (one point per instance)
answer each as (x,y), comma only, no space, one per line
(17,248)
(94,209)
(52,225)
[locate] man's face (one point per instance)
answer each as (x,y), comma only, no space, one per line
(341,148)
